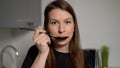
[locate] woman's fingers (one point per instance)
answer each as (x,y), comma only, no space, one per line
(41,39)
(38,31)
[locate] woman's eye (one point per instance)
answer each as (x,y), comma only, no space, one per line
(53,23)
(68,22)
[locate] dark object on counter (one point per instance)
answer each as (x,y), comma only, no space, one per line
(89,55)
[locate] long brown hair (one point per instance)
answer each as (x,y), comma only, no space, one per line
(75,49)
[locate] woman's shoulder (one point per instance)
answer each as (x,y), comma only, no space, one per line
(33,47)
(33,50)
(30,57)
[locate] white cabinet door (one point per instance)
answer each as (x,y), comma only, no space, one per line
(20,13)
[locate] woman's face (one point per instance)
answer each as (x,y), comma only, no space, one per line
(60,26)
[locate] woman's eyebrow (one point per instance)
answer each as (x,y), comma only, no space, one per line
(52,20)
(69,19)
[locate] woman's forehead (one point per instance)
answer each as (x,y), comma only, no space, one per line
(59,13)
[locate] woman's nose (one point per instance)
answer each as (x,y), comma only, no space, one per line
(61,28)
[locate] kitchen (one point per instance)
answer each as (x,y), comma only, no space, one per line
(98,23)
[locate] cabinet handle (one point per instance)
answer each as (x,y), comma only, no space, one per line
(30,24)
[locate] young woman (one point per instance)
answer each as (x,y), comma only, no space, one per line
(57,45)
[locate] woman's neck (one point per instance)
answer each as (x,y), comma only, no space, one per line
(62,48)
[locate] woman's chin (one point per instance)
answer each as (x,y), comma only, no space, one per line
(62,43)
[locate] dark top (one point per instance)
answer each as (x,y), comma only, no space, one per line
(63,59)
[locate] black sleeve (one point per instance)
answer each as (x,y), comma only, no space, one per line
(89,56)
(30,57)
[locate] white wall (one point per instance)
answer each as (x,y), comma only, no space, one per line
(98,20)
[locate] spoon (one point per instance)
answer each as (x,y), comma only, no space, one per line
(30,29)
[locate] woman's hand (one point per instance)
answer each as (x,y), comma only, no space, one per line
(42,40)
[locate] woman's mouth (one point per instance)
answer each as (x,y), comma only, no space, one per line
(61,38)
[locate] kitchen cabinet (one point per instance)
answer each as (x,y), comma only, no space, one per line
(20,13)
